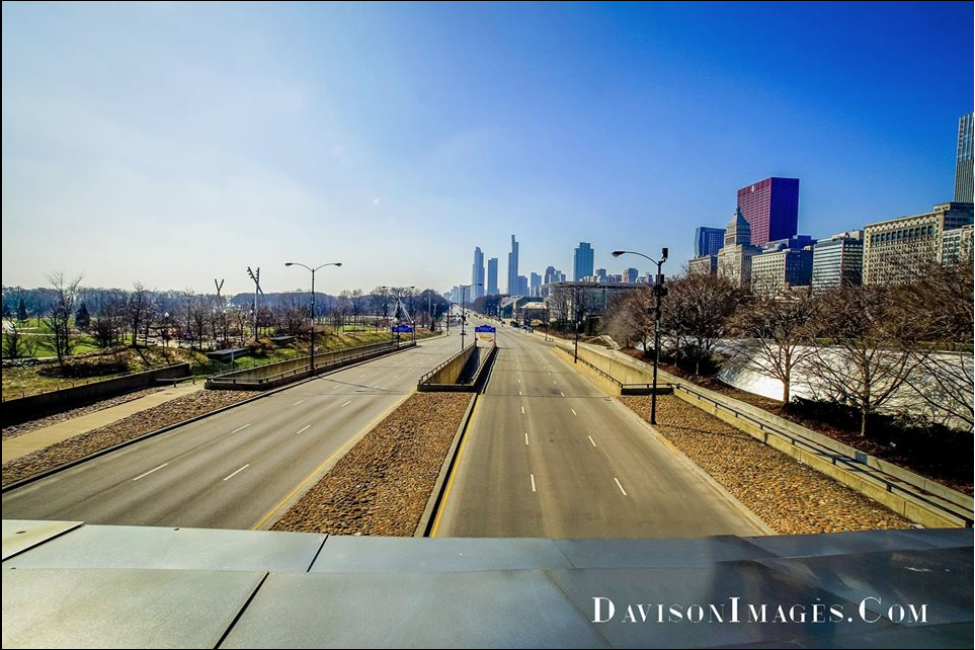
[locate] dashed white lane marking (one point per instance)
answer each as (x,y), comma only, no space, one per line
(150,471)
(519,392)
(302,429)
(241,428)
(237,472)
(533,483)
(522,410)
(298,402)
(347,403)
(561,393)
(526,438)
(592,441)
(573,412)
(619,486)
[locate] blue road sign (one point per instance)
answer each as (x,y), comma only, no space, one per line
(401,329)
(484,328)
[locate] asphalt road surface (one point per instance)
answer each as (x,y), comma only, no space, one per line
(238,469)
(548,455)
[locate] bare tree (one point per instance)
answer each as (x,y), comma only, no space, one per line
(59,320)
(629,319)
(109,320)
(942,299)
(779,333)
(698,309)
(357,301)
(383,300)
(138,310)
(874,348)
(16,342)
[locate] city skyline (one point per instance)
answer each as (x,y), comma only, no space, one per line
(303,159)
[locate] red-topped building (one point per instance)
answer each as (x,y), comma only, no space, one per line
(771,208)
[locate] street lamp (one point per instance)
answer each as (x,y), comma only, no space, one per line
(305,266)
(463,316)
(659,291)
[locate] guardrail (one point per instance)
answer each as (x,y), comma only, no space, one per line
(839,458)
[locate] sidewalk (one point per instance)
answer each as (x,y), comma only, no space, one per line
(14,448)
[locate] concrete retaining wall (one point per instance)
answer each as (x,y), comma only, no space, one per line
(20,410)
(464,372)
(278,374)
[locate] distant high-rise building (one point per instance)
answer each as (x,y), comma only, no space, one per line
(964,159)
(898,250)
(630,275)
(958,245)
(705,265)
(771,208)
(522,287)
(492,277)
(708,241)
(477,275)
(838,261)
(774,271)
(582,262)
(535,284)
(599,275)
(735,257)
(513,268)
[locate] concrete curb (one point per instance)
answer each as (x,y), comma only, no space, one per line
(107,450)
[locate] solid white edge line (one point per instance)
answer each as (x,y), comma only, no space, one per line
(238,471)
(150,472)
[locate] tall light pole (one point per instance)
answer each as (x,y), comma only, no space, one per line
(305,266)
(463,315)
(659,291)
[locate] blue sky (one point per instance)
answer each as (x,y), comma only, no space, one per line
(173,143)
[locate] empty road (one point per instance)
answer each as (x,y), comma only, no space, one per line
(548,455)
(236,469)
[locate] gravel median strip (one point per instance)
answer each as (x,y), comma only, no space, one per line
(133,426)
(382,485)
(789,497)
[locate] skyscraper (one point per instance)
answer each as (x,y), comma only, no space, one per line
(513,268)
(708,241)
(535,284)
(964,159)
(477,274)
(492,275)
(582,263)
(771,208)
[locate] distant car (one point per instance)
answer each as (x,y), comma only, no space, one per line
(529,328)
(514,323)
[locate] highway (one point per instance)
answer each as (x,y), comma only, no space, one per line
(548,455)
(237,469)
